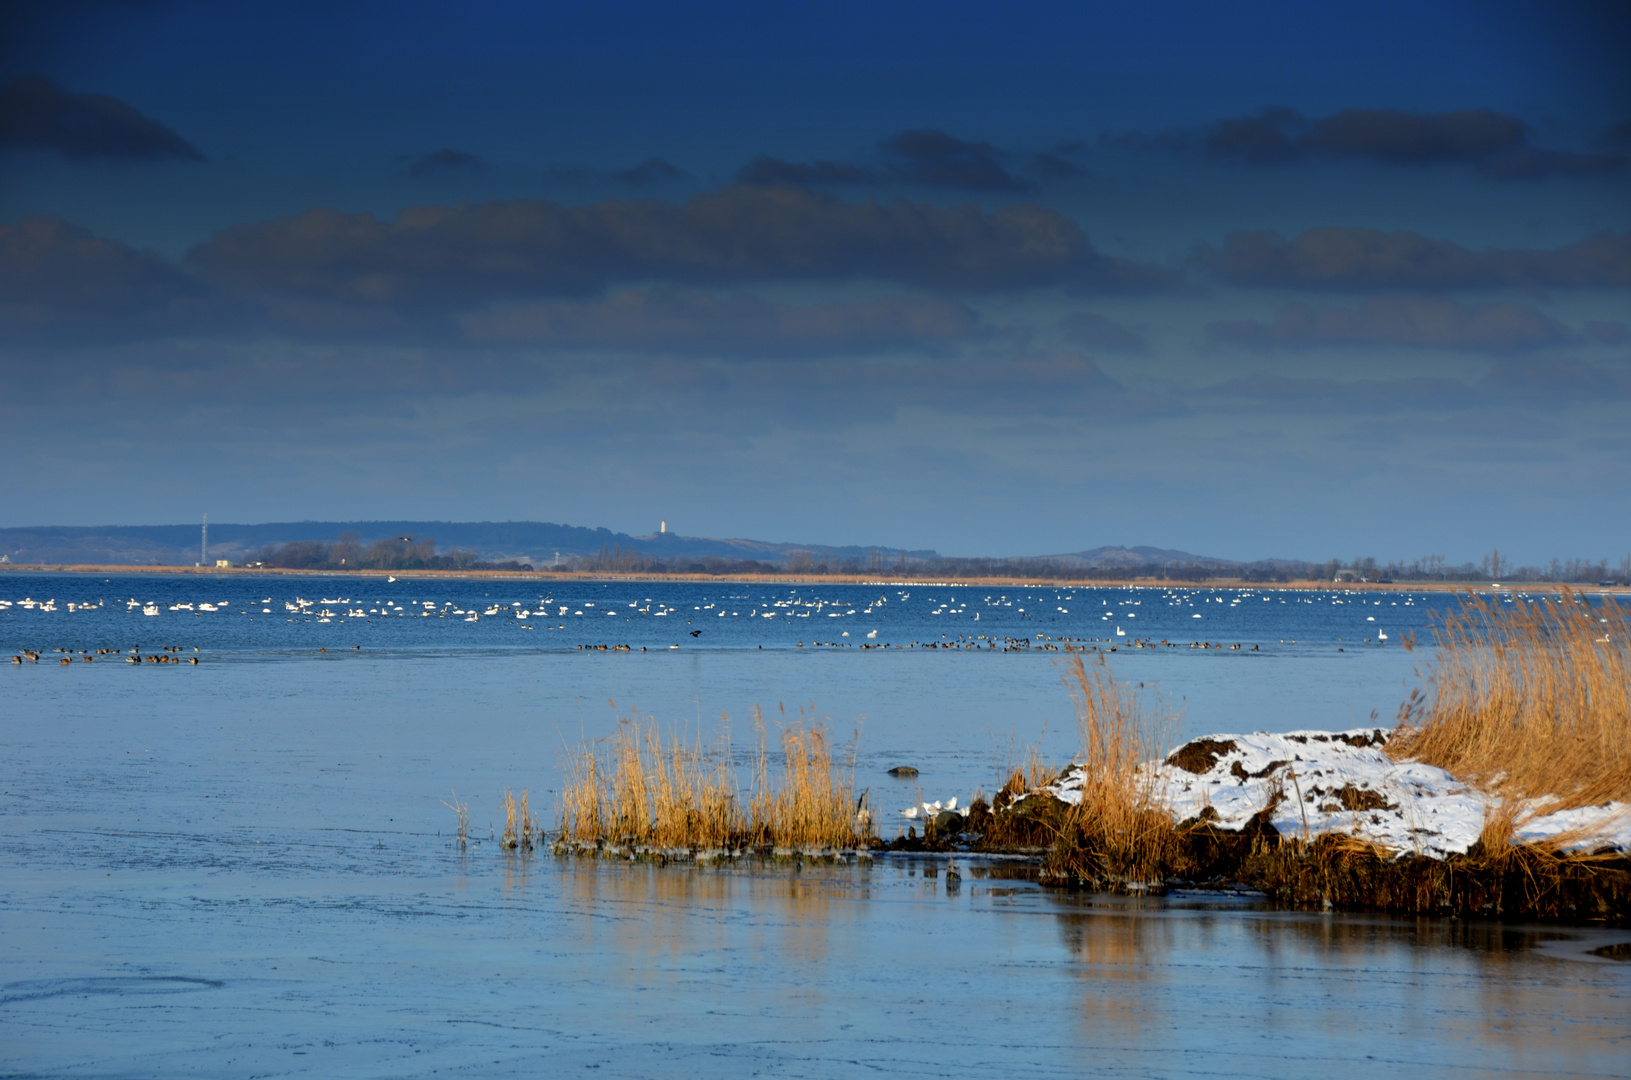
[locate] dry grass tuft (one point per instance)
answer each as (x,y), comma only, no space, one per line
(1118,830)
(1527,700)
(640,791)
(520,826)
(463,810)
(1031,774)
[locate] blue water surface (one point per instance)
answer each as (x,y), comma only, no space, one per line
(245,867)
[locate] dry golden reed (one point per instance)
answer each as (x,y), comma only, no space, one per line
(462,809)
(520,826)
(1119,828)
(1528,698)
(638,790)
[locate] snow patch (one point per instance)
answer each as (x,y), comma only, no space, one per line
(1344,782)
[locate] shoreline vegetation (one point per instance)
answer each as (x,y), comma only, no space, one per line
(1519,739)
(925,579)
(409,552)
(635,793)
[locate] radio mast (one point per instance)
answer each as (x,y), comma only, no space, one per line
(204,543)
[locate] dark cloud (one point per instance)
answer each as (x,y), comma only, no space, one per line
(1053,167)
(684,322)
(1400,321)
(1262,139)
(60,282)
(1403,138)
(443,160)
(1339,258)
(1099,334)
(1497,144)
(769,170)
(1619,133)
(653,170)
(650,171)
(1532,163)
(936,159)
(36,112)
(926,157)
(455,256)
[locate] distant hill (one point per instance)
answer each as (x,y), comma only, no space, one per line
(537,542)
(541,543)
(1101,557)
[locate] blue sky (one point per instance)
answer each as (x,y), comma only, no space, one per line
(1248,280)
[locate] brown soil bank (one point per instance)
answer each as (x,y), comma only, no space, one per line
(1331,872)
(1335,872)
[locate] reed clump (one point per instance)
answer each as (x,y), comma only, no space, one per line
(641,791)
(1528,700)
(1118,831)
(520,826)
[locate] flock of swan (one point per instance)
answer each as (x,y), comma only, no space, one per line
(961,604)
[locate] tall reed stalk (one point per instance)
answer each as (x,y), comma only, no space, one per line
(462,809)
(1527,699)
(1119,828)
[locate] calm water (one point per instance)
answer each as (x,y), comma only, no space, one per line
(241,867)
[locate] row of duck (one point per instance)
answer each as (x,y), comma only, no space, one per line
(166,655)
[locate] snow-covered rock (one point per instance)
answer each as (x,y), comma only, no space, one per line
(1344,782)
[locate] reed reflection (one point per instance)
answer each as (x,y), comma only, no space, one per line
(1431,981)
(1120,956)
(664,920)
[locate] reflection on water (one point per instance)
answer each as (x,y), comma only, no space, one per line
(1476,997)
(525,964)
(662,919)
(1116,952)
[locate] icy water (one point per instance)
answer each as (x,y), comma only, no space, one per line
(242,867)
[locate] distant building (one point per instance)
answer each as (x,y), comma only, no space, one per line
(223,564)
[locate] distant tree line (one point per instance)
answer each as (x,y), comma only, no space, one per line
(1493,567)
(613,559)
(802,563)
(349,553)
(416,553)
